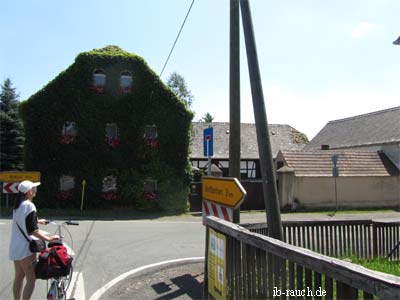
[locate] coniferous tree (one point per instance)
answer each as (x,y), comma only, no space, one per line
(11,129)
(208,118)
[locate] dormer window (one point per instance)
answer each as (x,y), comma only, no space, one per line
(99,80)
(68,133)
(112,135)
(125,82)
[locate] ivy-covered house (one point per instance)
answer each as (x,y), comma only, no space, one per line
(108,124)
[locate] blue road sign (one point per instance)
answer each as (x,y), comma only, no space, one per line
(208,144)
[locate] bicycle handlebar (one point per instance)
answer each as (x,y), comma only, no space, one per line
(53,222)
(72,223)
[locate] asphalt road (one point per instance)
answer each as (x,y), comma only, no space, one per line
(106,249)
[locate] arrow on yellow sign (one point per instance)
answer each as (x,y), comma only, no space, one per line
(223,190)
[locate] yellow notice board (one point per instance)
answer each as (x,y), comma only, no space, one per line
(18,176)
(216,267)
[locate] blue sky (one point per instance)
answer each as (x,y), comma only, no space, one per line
(319,60)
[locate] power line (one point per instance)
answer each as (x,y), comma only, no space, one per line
(177,37)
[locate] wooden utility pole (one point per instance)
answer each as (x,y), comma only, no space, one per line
(264,146)
(234,99)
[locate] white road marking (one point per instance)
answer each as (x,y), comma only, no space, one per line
(103,289)
(77,287)
(2,223)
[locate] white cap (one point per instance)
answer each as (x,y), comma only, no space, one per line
(26,186)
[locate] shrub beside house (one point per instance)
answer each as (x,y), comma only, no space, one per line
(109,120)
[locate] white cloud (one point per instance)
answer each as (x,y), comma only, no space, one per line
(364,29)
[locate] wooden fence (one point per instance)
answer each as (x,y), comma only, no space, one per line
(259,267)
(360,238)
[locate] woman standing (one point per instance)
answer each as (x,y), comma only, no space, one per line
(24,217)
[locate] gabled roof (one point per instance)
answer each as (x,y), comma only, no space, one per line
(376,128)
(281,136)
(350,163)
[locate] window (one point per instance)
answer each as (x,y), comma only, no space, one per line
(109,184)
(248,169)
(67,183)
(150,189)
(150,132)
(151,136)
(99,80)
(112,135)
(109,190)
(125,82)
(68,133)
(67,186)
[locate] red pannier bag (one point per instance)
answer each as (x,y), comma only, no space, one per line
(53,262)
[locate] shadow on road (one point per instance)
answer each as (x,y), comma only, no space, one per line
(186,284)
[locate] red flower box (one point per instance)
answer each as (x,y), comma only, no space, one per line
(113,142)
(149,196)
(66,139)
(97,88)
(64,195)
(152,143)
(110,196)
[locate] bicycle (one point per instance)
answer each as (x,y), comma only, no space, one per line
(59,285)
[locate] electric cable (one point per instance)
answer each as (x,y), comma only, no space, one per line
(177,37)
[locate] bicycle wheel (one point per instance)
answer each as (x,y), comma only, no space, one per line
(66,280)
(53,291)
(62,292)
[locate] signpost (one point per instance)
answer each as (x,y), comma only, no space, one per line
(221,195)
(208,146)
(19,176)
(335,174)
(223,190)
(11,180)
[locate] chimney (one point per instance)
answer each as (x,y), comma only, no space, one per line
(324,147)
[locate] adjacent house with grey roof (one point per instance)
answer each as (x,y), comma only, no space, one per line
(368,149)
(364,179)
(374,131)
(281,137)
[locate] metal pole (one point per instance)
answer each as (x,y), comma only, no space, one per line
(264,145)
(234,98)
(209,159)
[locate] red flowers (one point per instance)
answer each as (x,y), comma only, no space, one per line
(149,196)
(109,196)
(152,143)
(113,142)
(98,88)
(125,90)
(66,139)
(65,195)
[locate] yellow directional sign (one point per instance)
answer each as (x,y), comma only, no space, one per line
(18,176)
(223,190)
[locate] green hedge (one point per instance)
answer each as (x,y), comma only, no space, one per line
(69,97)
